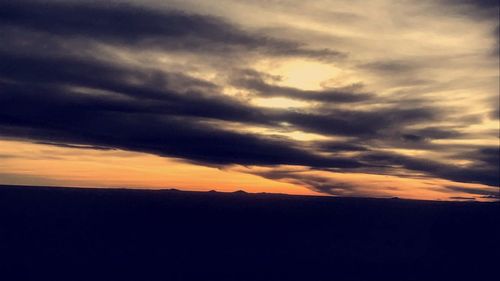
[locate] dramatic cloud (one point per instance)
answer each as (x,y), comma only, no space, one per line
(142,27)
(478,191)
(339,92)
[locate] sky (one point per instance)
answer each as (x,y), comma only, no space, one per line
(379,98)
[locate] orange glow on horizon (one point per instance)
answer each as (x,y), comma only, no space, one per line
(53,165)
(27,163)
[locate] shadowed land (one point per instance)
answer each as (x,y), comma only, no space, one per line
(119,234)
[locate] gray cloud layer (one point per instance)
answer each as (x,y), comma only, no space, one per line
(54,89)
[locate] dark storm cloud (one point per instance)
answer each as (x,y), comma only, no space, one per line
(489,156)
(157,92)
(175,94)
(412,138)
(156,134)
(430,133)
(255,82)
(437,133)
(129,25)
(35,105)
(475,191)
(360,122)
(314,182)
(477,172)
(386,162)
(55,89)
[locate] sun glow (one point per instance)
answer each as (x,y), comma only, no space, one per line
(300,73)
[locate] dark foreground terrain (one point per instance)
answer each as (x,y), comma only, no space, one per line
(99,234)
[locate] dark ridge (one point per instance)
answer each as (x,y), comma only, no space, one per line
(240,192)
(120,234)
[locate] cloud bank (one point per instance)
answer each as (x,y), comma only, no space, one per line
(179,81)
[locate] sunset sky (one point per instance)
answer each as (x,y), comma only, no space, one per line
(380,98)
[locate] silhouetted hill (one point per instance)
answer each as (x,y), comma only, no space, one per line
(103,234)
